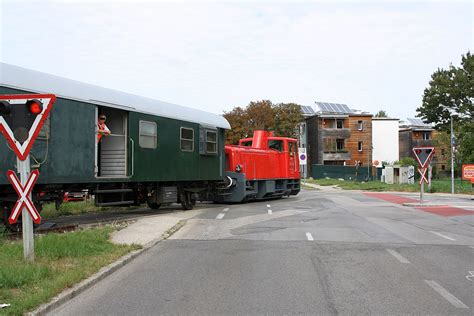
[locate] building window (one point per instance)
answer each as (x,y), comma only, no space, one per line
(211,142)
(426,135)
(340,144)
(187,139)
(360,125)
(443,167)
(148,135)
(340,124)
(360,146)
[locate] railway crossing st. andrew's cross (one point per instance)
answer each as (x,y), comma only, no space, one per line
(21,118)
(423,155)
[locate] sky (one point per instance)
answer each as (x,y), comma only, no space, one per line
(216,55)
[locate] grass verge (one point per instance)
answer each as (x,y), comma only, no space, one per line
(463,187)
(75,208)
(62,260)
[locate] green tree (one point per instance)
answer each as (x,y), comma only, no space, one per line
(452,91)
(287,118)
(381,113)
(281,118)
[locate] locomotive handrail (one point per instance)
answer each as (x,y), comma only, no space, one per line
(133,157)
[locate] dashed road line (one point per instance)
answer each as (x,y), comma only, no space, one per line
(471,247)
(270,212)
(445,294)
(225,210)
(441,235)
(220,216)
(309,236)
(268,205)
(398,256)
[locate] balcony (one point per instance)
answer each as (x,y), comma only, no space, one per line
(422,143)
(336,155)
(342,133)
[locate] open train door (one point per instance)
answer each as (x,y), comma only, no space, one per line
(111,150)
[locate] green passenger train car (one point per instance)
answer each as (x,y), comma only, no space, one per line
(157,152)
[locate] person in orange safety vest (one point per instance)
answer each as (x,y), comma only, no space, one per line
(103,129)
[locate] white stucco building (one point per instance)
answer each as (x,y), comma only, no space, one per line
(384,140)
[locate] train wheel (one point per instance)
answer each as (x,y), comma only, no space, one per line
(7,207)
(187,202)
(153,206)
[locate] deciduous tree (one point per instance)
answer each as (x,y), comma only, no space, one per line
(452,91)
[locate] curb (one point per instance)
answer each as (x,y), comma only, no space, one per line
(68,294)
(417,204)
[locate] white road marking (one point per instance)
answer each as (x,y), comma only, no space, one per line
(472,247)
(268,205)
(309,236)
(270,212)
(225,210)
(220,216)
(441,235)
(444,293)
(470,277)
(398,256)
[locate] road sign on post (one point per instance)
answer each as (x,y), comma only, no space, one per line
(423,155)
(21,119)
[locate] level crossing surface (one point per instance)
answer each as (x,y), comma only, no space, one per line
(323,252)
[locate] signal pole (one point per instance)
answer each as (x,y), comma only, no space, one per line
(23,168)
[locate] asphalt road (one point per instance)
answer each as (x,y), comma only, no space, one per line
(322,252)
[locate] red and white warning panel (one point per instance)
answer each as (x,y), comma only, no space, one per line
(423,177)
(23,194)
(21,118)
(423,155)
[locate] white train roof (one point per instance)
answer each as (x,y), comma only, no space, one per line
(39,82)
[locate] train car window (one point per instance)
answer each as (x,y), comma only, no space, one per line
(187,139)
(276,144)
(148,134)
(247,144)
(45,131)
(211,142)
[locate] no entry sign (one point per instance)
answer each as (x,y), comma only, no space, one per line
(23,194)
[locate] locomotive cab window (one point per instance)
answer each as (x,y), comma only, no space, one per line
(187,139)
(148,135)
(276,145)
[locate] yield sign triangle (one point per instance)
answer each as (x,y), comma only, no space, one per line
(423,155)
(16,118)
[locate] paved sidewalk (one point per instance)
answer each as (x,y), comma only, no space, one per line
(149,229)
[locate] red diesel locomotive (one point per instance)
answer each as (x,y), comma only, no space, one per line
(261,167)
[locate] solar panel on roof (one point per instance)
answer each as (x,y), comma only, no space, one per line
(307,109)
(416,122)
(333,107)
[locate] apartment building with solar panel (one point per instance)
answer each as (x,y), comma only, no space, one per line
(338,135)
(415,133)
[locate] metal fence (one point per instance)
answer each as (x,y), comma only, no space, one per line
(345,172)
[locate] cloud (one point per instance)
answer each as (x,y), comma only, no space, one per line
(218,55)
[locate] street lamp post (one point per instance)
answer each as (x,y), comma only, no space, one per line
(452,155)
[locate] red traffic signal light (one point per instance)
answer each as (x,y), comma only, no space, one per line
(34,107)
